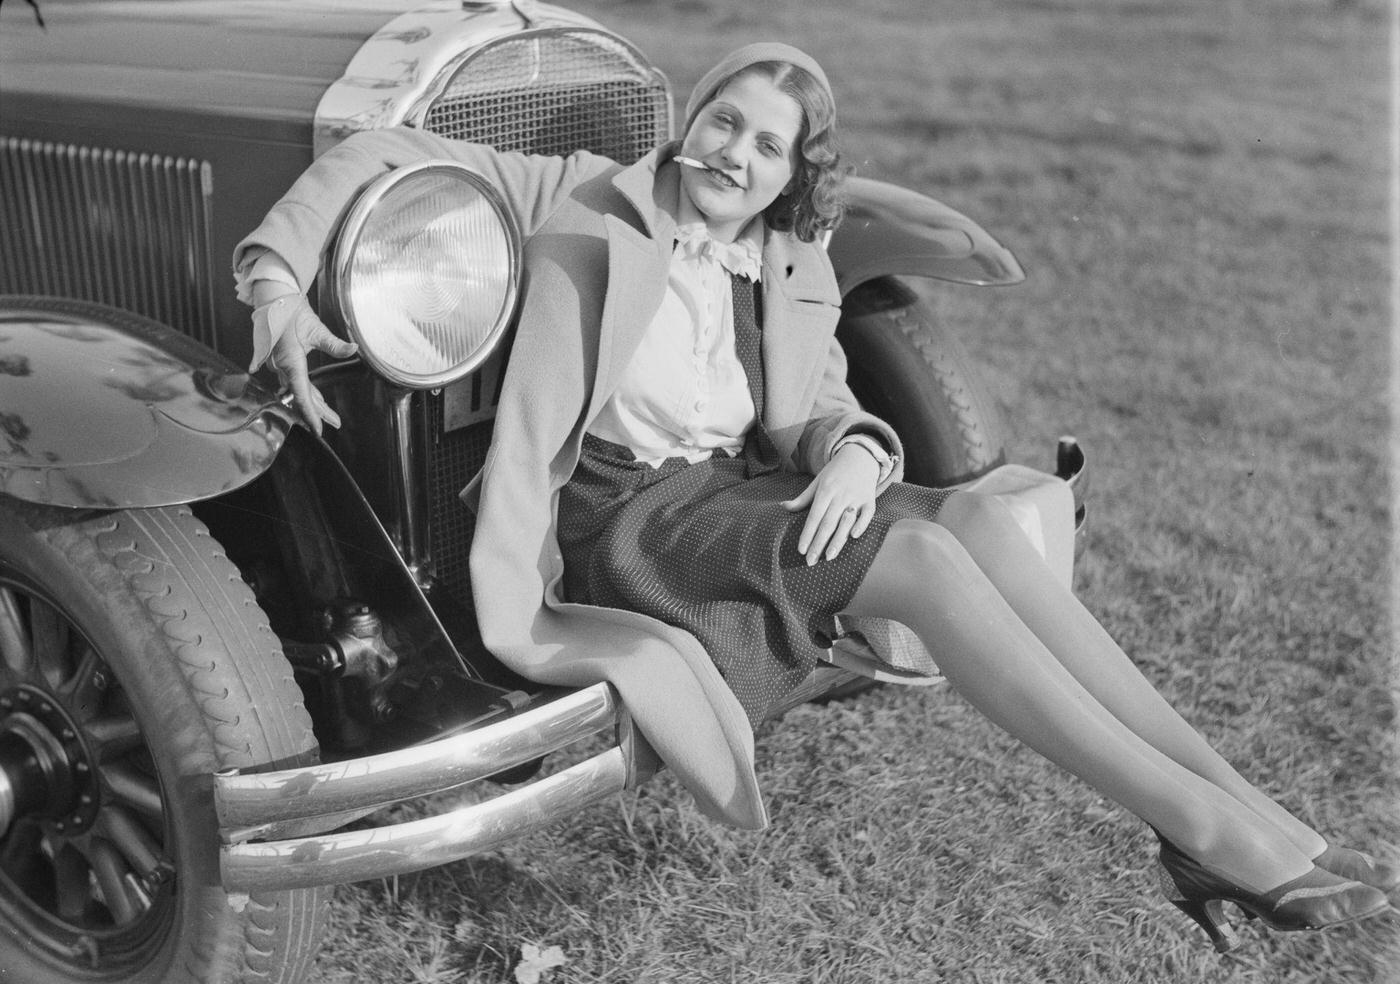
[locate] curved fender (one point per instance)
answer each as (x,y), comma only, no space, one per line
(341,545)
(101,408)
(892,230)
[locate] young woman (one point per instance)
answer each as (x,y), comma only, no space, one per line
(682,493)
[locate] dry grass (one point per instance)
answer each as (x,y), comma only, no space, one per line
(1198,190)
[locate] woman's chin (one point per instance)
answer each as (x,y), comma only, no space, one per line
(720,209)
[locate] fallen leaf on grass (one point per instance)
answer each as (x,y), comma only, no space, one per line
(467,930)
(534,962)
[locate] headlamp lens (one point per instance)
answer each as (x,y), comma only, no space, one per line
(426,273)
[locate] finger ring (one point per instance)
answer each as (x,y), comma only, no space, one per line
(850,509)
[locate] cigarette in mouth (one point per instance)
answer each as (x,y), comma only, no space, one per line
(690,162)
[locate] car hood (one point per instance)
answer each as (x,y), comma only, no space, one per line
(271,58)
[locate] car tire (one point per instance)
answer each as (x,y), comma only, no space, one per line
(132,650)
(907,369)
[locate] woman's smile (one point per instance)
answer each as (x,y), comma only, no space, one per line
(722,179)
(713,173)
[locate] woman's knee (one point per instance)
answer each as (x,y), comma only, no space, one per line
(972,516)
(918,561)
(919,546)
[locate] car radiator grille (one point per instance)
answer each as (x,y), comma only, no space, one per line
(556,91)
(456,458)
(541,92)
(126,229)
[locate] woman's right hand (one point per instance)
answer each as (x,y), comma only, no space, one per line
(285,329)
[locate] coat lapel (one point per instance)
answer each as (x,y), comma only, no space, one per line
(639,258)
(637,271)
(800,311)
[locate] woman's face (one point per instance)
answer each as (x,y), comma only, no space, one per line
(747,138)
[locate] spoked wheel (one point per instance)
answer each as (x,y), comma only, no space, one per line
(86,851)
(133,664)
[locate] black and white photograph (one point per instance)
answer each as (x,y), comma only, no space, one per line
(699,492)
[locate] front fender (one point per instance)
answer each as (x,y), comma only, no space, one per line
(102,408)
(894,231)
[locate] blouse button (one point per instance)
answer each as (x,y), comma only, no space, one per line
(699,405)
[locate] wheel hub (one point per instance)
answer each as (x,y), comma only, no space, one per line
(46,772)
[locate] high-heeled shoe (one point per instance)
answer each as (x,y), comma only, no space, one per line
(1313,900)
(1343,862)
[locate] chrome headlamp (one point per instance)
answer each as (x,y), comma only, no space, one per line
(425,272)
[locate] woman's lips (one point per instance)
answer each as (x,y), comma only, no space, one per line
(718,176)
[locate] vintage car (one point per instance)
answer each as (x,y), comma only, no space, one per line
(225,642)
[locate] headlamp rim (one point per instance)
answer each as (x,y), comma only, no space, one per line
(347,241)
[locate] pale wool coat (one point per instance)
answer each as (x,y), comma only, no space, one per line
(599,238)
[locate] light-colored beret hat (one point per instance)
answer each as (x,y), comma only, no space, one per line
(740,59)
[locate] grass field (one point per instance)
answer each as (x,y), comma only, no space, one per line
(1199,193)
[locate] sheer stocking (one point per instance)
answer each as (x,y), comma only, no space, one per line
(923,577)
(992,538)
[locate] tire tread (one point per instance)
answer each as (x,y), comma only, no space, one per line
(192,593)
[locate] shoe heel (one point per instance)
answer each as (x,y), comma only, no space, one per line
(1210,916)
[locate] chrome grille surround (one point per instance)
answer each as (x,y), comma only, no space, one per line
(554,91)
(400,70)
(112,226)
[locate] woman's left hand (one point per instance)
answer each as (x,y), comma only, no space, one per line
(840,503)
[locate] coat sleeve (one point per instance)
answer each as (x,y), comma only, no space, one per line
(298,226)
(836,414)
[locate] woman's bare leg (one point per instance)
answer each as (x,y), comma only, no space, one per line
(923,577)
(996,544)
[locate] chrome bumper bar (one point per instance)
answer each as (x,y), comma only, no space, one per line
(418,844)
(267,805)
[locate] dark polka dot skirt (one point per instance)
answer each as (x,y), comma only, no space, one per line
(708,547)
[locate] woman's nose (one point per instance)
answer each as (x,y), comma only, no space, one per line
(733,152)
